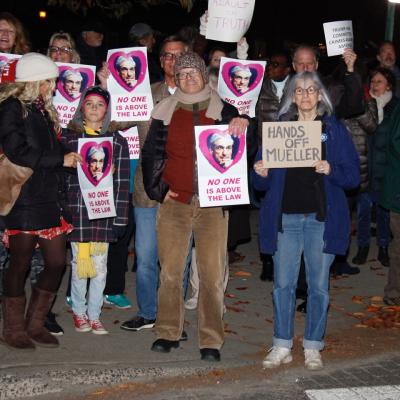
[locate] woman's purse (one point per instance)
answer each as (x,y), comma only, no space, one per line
(12,177)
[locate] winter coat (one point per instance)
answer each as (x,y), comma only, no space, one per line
(268,104)
(361,129)
(154,154)
(379,143)
(390,196)
(345,174)
(104,229)
(31,142)
(159,92)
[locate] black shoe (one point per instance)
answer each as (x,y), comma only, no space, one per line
(383,256)
(52,325)
(164,345)
(343,268)
(361,256)
(302,307)
(391,301)
(137,323)
(210,355)
(267,273)
(184,337)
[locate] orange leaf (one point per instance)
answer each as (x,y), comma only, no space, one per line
(373,309)
(377,299)
(242,273)
(241,288)
(357,299)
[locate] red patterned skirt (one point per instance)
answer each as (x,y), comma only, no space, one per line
(49,233)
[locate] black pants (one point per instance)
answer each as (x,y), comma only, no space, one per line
(117,259)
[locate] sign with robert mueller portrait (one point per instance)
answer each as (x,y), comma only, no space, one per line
(72,81)
(239,83)
(95,175)
(221,166)
(291,144)
(129,84)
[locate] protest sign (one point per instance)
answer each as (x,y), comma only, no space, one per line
(229,20)
(132,137)
(221,166)
(72,81)
(239,83)
(96,176)
(129,84)
(338,37)
(5,58)
(291,144)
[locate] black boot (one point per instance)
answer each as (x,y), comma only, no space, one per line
(267,273)
(383,256)
(361,256)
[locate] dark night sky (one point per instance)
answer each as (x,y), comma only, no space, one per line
(273,21)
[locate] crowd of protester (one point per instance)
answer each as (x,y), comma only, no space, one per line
(304,213)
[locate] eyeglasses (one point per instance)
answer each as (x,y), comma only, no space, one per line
(171,56)
(7,31)
(65,50)
(310,90)
(191,74)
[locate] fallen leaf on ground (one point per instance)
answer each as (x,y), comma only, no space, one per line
(230,296)
(242,273)
(234,309)
(242,288)
(357,299)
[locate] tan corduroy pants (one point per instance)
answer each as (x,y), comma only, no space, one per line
(176,222)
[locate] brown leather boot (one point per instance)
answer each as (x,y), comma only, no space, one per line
(14,333)
(39,306)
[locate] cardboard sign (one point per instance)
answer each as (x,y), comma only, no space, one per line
(291,144)
(239,83)
(132,137)
(221,166)
(129,84)
(73,80)
(229,20)
(338,37)
(95,176)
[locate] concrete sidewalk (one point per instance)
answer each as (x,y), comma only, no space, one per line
(86,361)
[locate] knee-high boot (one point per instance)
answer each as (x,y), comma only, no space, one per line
(39,305)
(14,333)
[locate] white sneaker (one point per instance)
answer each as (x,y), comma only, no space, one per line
(191,304)
(312,359)
(277,356)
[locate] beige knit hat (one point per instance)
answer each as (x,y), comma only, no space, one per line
(32,67)
(191,60)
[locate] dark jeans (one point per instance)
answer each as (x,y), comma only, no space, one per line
(118,258)
(364,206)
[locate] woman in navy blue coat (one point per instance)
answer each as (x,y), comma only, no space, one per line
(305,210)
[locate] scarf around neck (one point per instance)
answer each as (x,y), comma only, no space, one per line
(164,110)
(381,102)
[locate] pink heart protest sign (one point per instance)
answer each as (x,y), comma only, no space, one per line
(128,69)
(73,81)
(96,160)
(221,149)
(241,78)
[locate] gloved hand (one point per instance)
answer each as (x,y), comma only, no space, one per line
(203,23)
(118,231)
(242,49)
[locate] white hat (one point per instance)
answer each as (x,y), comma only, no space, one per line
(32,67)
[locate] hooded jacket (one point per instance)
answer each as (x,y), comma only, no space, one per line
(98,230)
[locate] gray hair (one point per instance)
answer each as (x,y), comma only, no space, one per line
(217,136)
(289,107)
(121,59)
(238,68)
(69,73)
